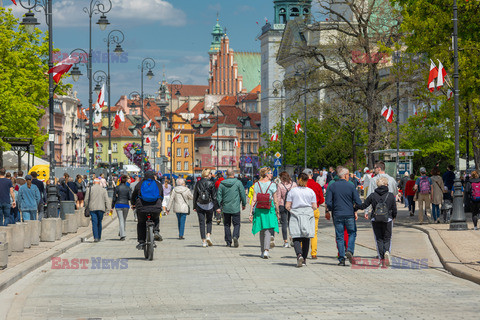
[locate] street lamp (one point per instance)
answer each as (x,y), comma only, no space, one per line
(175,85)
(243,120)
(162,103)
(396,58)
(147,63)
(278,86)
(458,220)
(302,71)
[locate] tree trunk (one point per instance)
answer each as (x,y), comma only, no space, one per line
(476,147)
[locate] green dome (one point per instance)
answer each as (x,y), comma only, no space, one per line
(217,34)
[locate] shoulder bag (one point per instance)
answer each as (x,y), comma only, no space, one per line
(186,203)
(75,197)
(87,209)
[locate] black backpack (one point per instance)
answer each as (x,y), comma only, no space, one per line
(381,211)
(203,194)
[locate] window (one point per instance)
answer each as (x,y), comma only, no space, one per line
(254,135)
(185,165)
(186,153)
(115,147)
(231,145)
(169,137)
(169,165)
(223,132)
(135,133)
(185,139)
(249,148)
(224,145)
(179,152)
(179,165)
(104,132)
(169,151)
(179,127)
(183,126)
(232,132)
(254,148)
(224,160)
(115,160)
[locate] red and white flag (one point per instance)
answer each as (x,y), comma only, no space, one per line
(176,136)
(14,2)
(387,113)
(84,112)
(148,124)
(101,97)
(97,144)
(449,94)
(147,140)
(298,127)
(274,136)
(62,67)
(212,145)
(119,118)
(431,76)
(442,73)
(414,110)
(186,153)
(235,143)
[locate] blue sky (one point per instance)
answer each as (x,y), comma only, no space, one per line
(175,33)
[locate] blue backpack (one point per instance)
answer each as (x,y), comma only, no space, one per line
(149,191)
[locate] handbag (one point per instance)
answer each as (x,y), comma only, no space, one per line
(86,213)
(263,199)
(186,203)
(75,197)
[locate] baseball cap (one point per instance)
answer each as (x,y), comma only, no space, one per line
(28,177)
(423,170)
(308,171)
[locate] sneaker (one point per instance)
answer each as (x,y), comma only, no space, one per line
(272,242)
(314,256)
(235,242)
(96,240)
(388,259)
(204,244)
(157,236)
(304,264)
(261,255)
(265,255)
(228,245)
(181,238)
(122,238)
(209,241)
(140,245)
(349,256)
(300,261)
(411,214)
(475,228)
(286,245)
(342,263)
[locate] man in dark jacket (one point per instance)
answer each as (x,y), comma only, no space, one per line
(382,229)
(229,195)
(340,199)
(143,208)
(43,196)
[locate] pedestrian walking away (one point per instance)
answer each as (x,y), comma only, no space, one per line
(410,193)
(423,189)
(7,198)
(437,194)
(178,203)
(264,212)
(167,189)
(402,185)
(384,212)
(230,196)
(43,194)
(98,203)
(472,190)
(147,198)
(379,170)
(302,202)
(204,204)
(341,197)
(132,187)
(28,199)
(218,214)
(121,203)
(320,200)
(286,184)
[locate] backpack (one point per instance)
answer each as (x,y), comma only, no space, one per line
(203,196)
(424,185)
(381,211)
(286,193)
(475,195)
(263,199)
(149,191)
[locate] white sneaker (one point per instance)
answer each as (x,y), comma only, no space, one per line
(300,261)
(388,259)
(204,244)
(266,255)
(209,241)
(286,245)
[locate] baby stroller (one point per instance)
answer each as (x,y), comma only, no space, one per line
(447,207)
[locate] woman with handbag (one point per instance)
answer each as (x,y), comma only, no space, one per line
(81,187)
(265,216)
(97,203)
(178,203)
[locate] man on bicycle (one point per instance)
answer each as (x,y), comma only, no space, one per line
(147,199)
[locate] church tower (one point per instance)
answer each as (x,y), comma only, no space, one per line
(270,38)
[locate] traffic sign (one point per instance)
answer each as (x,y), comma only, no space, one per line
(155,144)
(248,159)
(248,165)
(278,155)
(277,163)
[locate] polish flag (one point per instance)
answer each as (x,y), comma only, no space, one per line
(176,136)
(414,110)
(449,94)
(441,75)
(97,144)
(274,136)
(119,118)
(62,67)
(432,75)
(387,113)
(212,145)
(148,124)
(298,127)
(101,97)
(235,143)
(169,154)
(186,153)
(14,2)
(147,140)
(84,112)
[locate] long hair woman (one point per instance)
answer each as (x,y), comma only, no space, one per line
(121,203)
(284,187)
(265,215)
(205,203)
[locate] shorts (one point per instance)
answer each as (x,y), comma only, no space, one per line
(165,201)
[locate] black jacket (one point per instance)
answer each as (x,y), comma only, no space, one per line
(144,206)
(209,186)
(121,195)
(377,196)
(41,188)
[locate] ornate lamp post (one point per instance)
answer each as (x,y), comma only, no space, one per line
(278,86)
(302,72)
(175,85)
(147,63)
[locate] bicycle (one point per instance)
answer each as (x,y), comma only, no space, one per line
(149,245)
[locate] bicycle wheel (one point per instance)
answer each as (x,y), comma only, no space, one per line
(149,246)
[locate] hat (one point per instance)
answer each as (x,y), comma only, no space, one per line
(308,171)
(423,170)
(366,170)
(28,177)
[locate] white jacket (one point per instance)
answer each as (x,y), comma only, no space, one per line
(178,199)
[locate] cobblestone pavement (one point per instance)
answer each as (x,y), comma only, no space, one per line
(186,281)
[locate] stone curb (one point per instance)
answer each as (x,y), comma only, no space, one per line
(9,277)
(449,261)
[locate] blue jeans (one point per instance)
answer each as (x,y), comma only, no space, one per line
(435,212)
(181,217)
(340,224)
(29,215)
(5,209)
(97,217)
(405,201)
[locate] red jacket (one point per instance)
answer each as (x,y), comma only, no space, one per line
(409,188)
(318,191)
(217,183)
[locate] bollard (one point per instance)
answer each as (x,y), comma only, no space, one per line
(48,230)
(85,220)
(9,231)
(66,207)
(78,214)
(27,240)
(3,255)
(71,219)
(34,232)
(58,232)
(18,235)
